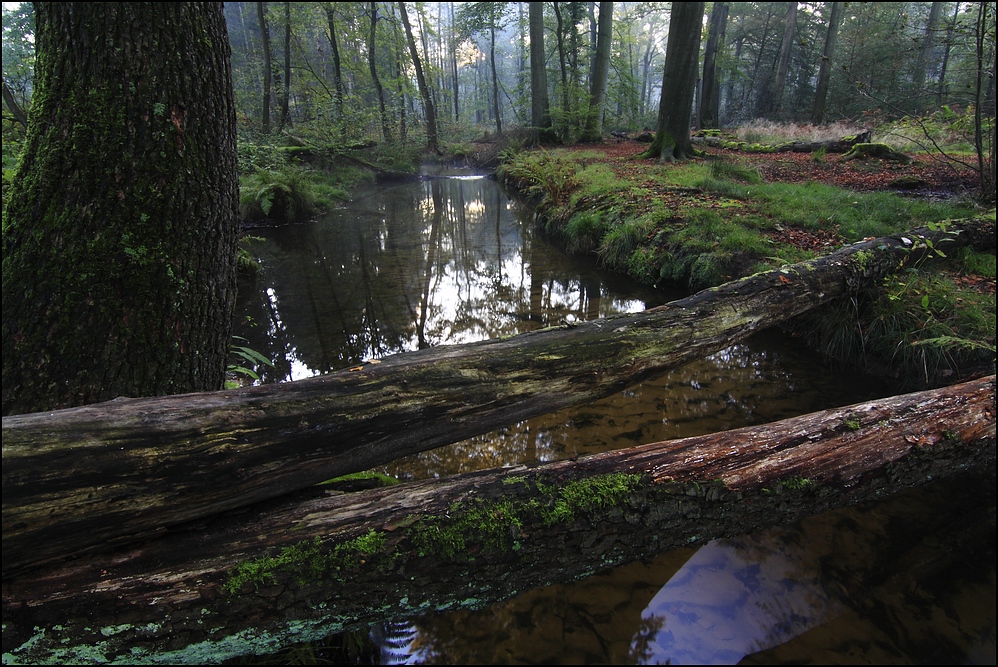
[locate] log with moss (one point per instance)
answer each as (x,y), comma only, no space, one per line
(298,569)
(95,477)
(842,145)
(879,151)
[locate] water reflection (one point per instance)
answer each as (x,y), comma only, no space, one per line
(444,261)
(867,584)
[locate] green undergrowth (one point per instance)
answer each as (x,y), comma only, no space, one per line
(701,223)
(475,526)
(921,327)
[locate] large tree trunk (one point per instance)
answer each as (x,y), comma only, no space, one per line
(672,137)
(818,109)
(250,582)
(540,113)
(119,238)
(87,478)
(601,61)
(424,89)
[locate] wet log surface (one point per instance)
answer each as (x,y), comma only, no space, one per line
(99,476)
(168,598)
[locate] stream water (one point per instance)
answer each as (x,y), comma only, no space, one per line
(450,259)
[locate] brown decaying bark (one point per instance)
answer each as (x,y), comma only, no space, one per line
(167,593)
(87,478)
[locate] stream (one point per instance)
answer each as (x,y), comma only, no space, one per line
(451,259)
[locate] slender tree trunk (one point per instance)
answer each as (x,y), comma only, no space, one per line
(386,132)
(424,89)
(564,70)
(710,100)
(337,66)
(286,99)
(454,72)
(15,108)
(950,29)
(672,137)
(924,52)
(261,14)
(825,71)
(774,103)
(120,231)
(597,97)
(540,117)
(496,108)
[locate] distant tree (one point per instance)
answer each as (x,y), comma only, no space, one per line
(372,62)
(771,97)
(540,113)
(424,89)
(261,13)
(711,96)
(120,232)
(924,52)
(334,50)
(672,136)
(824,72)
(286,95)
(486,17)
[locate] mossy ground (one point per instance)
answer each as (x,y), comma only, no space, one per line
(729,214)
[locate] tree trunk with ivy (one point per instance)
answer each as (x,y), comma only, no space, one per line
(119,238)
(249,582)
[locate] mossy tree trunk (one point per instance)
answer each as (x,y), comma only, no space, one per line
(672,136)
(119,239)
(711,99)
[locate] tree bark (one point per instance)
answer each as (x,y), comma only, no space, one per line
(192,593)
(593,130)
(672,137)
(424,89)
(540,113)
(87,478)
(924,53)
(818,109)
(120,233)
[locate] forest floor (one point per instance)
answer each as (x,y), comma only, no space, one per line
(926,177)
(731,213)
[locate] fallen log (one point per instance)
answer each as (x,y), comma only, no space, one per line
(300,569)
(101,475)
(841,145)
(98,476)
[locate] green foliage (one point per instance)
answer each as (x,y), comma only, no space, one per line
(305,561)
(246,355)
(286,194)
(541,173)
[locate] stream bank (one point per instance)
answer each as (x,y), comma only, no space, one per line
(709,221)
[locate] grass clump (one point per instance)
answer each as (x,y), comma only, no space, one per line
(286,194)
